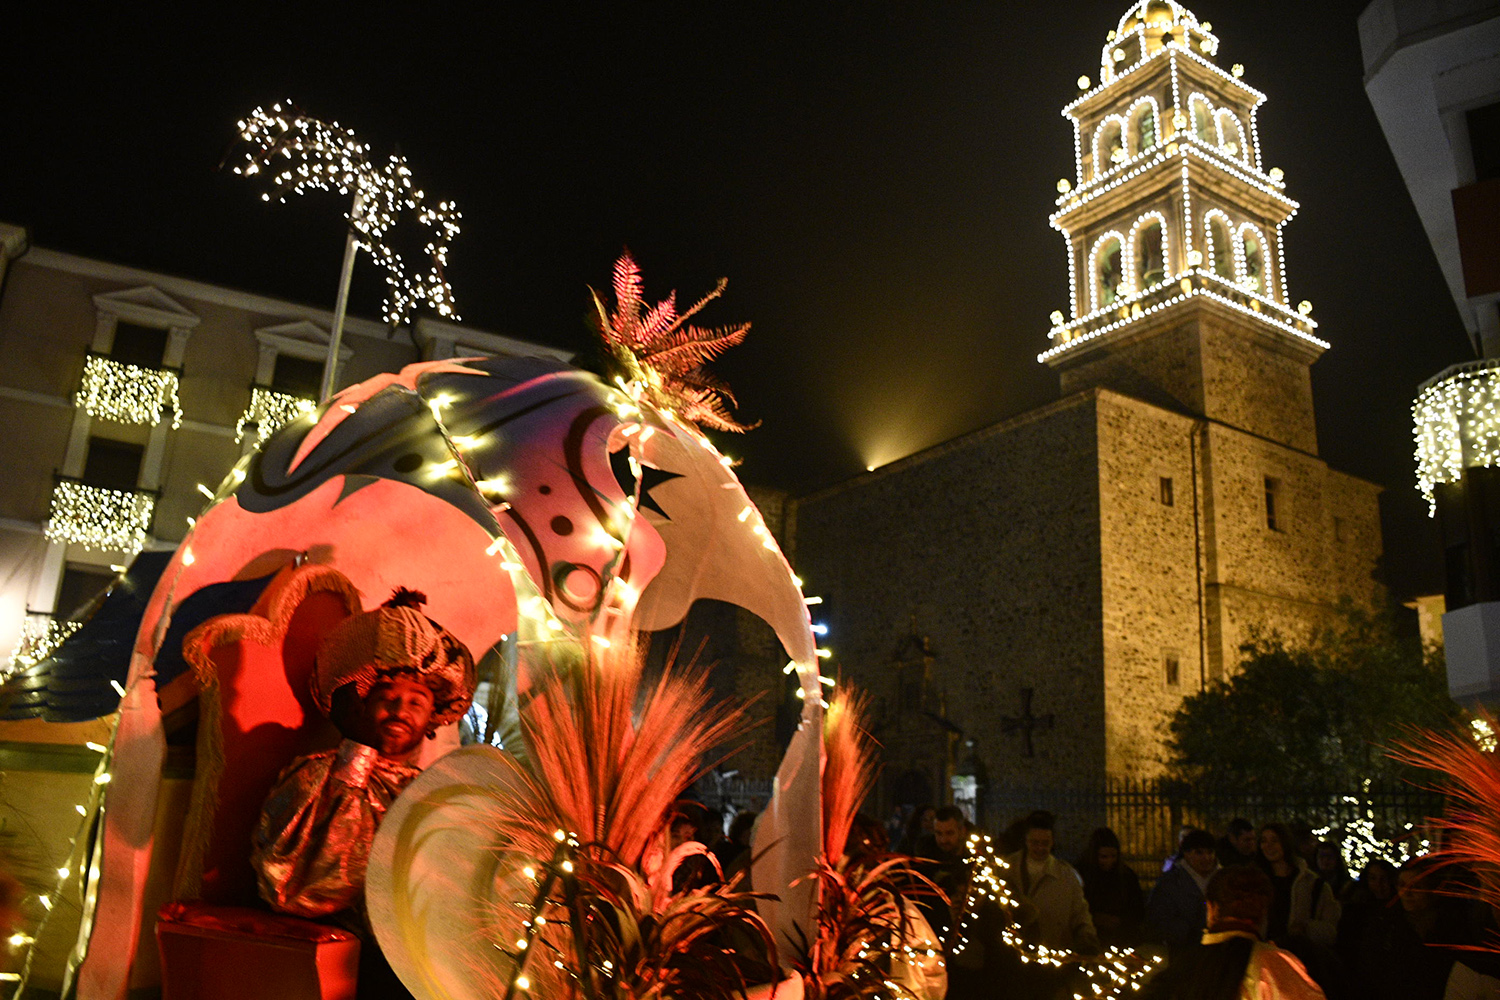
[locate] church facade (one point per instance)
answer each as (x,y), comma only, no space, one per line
(1027,604)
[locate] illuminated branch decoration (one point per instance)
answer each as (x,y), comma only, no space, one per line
(297,153)
(1361,841)
(269,411)
(99,518)
(1118,972)
(128,394)
(1456,425)
(664,356)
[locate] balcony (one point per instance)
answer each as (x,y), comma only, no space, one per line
(99,518)
(269,411)
(128,394)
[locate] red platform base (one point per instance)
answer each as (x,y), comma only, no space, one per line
(235,953)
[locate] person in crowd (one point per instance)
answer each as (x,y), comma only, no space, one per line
(1237,846)
(916,842)
(943,863)
(1330,866)
(1232,962)
(1052,910)
(1362,899)
(733,852)
(1112,890)
(1396,957)
(1176,856)
(1307,845)
(1177,911)
(1304,909)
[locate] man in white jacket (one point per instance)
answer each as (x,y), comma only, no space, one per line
(1052,910)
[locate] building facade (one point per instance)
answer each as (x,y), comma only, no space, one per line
(129,393)
(1030,602)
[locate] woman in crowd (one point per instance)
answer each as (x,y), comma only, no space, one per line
(1304,909)
(1112,889)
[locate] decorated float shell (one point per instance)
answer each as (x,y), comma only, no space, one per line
(540,510)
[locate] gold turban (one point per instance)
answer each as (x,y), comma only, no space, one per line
(396,638)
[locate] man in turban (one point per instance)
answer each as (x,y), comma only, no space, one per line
(387,679)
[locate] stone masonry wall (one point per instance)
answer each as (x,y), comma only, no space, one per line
(987,545)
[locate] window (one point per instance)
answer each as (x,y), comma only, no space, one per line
(1203,119)
(142,346)
(1338,529)
(114,465)
(1484,141)
(1109,146)
(1166,491)
(1109,271)
(1150,252)
(1172,668)
(1220,246)
(1231,133)
(1255,262)
(1273,496)
(79,586)
(297,376)
(1145,128)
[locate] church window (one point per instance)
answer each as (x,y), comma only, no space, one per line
(1108,271)
(1172,668)
(1109,145)
(1338,529)
(1144,126)
(1166,491)
(1203,119)
(1273,498)
(1220,245)
(1150,253)
(1255,260)
(1231,133)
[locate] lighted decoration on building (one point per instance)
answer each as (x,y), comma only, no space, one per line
(128,394)
(1456,425)
(269,411)
(40,635)
(99,518)
(297,153)
(1188,131)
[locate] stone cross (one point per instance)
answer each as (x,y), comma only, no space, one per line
(1027,723)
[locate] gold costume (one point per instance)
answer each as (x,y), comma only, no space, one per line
(313,841)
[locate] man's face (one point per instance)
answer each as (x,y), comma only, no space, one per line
(949,834)
(1201,860)
(1038,845)
(1244,842)
(398,711)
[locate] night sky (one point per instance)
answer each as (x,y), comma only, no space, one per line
(873,178)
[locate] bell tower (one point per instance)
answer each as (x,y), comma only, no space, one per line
(1176,272)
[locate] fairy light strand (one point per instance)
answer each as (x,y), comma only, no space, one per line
(269,411)
(1456,425)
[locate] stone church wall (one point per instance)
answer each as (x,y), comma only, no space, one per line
(988,546)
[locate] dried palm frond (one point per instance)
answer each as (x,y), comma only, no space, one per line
(1470,778)
(848,767)
(663,354)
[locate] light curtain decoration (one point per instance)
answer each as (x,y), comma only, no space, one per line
(99,518)
(1456,425)
(128,394)
(269,411)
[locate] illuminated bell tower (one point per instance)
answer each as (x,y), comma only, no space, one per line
(1173,224)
